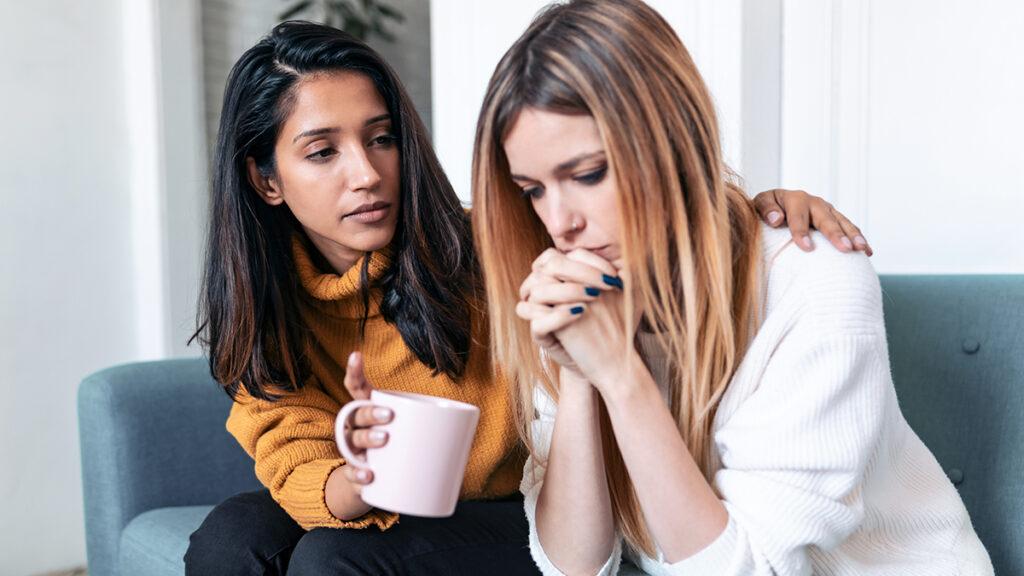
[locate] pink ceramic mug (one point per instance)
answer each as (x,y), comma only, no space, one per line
(419,471)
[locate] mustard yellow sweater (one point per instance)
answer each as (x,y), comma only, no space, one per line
(292,439)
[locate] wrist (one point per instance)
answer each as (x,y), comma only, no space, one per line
(573,386)
(343,500)
(629,379)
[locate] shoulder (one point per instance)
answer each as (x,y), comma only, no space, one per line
(825,284)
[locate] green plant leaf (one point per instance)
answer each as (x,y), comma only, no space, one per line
(360,18)
(391,13)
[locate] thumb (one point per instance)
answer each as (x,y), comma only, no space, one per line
(355,379)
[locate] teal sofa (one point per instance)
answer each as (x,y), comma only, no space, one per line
(156,456)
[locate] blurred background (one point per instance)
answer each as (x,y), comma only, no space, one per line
(905,114)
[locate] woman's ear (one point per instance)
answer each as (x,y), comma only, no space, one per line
(264,185)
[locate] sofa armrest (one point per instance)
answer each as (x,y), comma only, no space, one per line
(152,435)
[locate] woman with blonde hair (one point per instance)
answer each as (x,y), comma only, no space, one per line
(690,385)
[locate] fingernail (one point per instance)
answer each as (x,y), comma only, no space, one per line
(378,435)
(847,243)
(382,414)
(352,358)
(774,217)
(860,241)
(576,310)
(362,475)
(806,242)
(591,291)
(614,281)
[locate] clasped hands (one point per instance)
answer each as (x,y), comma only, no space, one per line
(575,304)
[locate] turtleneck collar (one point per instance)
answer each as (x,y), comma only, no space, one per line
(339,295)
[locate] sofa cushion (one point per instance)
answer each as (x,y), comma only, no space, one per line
(154,543)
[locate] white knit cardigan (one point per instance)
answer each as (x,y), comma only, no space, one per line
(818,469)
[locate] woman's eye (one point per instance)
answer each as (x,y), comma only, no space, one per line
(533,192)
(592,177)
(321,154)
(384,140)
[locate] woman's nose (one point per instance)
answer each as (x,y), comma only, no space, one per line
(563,220)
(360,173)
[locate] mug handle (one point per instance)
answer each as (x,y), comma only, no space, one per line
(339,432)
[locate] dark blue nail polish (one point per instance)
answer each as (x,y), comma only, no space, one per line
(576,310)
(612,281)
(591,291)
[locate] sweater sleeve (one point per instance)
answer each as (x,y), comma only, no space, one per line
(794,454)
(292,442)
(541,431)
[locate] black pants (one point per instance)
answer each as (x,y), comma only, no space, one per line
(250,534)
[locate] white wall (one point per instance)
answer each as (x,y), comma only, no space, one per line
(102,188)
(907,115)
(183,161)
(65,252)
(904,114)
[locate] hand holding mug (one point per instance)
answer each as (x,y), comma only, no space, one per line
(359,429)
(406,452)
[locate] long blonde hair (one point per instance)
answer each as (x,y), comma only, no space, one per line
(696,278)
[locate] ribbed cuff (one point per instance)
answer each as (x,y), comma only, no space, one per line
(717,558)
(305,500)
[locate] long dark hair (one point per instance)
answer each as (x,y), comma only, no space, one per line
(248,317)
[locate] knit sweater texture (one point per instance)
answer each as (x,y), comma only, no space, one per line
(817,468)
(292,439)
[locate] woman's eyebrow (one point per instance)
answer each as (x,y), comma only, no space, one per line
(315,132)
(378,118)
(322,131)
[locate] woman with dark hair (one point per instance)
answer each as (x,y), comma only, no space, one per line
(333,229)
(340,256)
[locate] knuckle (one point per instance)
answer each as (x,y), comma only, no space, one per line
(545,257)
(360,416)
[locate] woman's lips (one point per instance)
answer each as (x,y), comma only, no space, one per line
(369,213)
